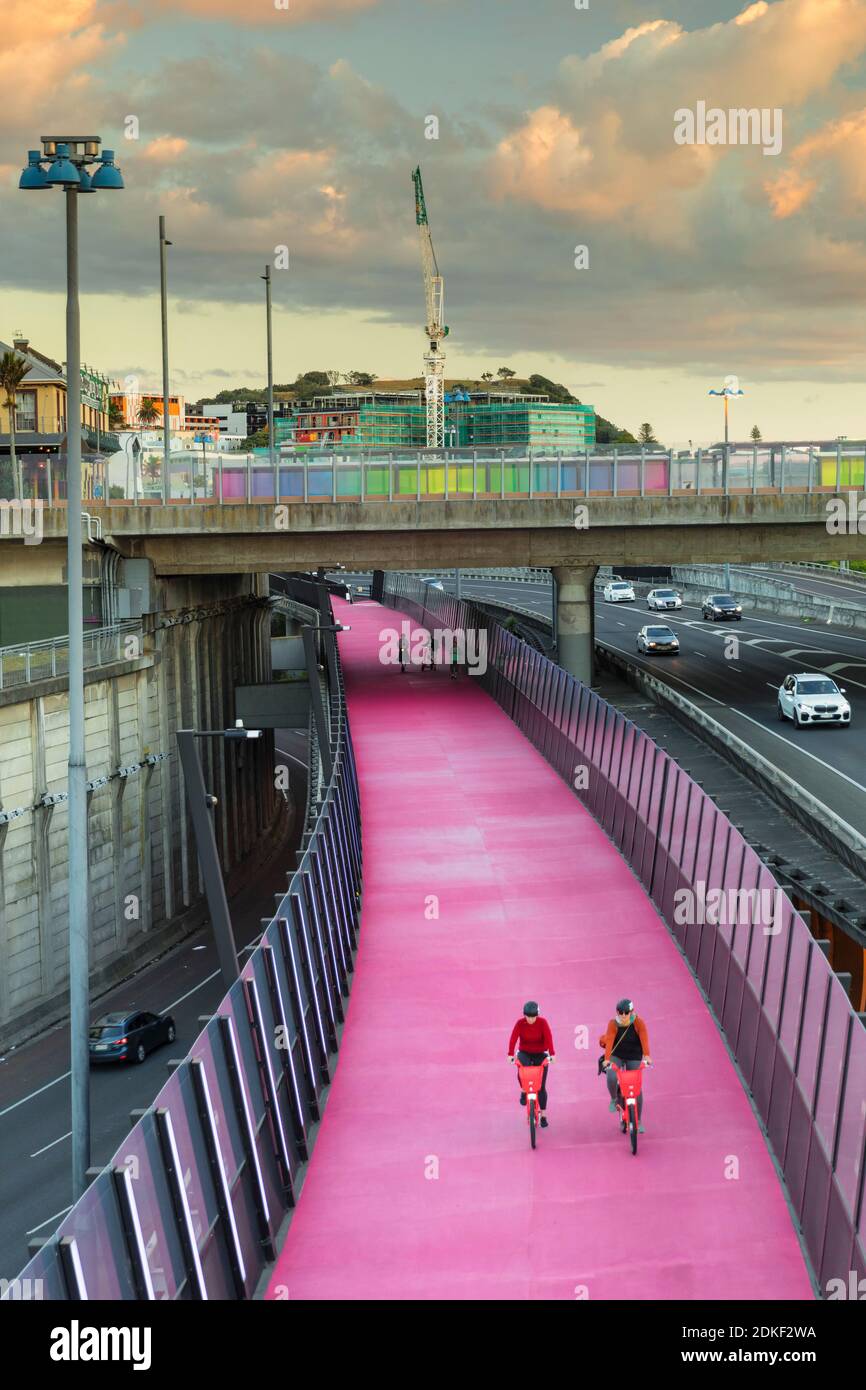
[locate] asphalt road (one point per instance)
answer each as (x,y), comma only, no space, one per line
(736,681)
(34,1079)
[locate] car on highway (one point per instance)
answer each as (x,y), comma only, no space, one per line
(657,640)
(618,591)
(434,584)
(128,1037)
(811,699)
(719,607)
(662,599)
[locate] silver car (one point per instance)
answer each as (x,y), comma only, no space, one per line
(657,640)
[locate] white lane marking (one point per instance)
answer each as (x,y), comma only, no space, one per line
(51,1145)
(15,1104)
(286,754)
(55,1217)
(789,743)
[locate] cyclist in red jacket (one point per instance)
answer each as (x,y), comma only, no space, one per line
(532,1033)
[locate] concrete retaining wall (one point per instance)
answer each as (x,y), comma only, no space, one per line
(145,891)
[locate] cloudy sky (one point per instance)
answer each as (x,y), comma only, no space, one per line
(257,125)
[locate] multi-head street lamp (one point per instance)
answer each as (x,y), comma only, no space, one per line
(63,163)
(67,162)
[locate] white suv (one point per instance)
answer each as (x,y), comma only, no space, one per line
(811,699)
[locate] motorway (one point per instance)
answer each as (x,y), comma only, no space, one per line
(34,1079)
(733,671)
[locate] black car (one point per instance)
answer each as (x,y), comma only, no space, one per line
(128,1037)
(721,606)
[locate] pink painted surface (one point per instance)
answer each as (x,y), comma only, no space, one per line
(533,902)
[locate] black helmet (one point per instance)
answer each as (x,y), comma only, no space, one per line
(530,1007)
(625,1006)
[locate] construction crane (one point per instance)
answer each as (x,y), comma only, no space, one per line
(436,330)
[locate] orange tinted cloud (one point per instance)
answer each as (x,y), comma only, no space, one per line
(833,159)
(603,144)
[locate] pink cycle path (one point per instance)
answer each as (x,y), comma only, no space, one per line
(485,884)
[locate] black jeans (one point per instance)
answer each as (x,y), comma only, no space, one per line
(535,1059)
(630,1064)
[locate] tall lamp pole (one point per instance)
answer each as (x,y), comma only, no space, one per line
(730,388)
(166,420)
(63,164)
(268,310)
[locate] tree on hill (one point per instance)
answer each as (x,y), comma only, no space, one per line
(646,434)
(505,373)
(486,376)
(542,386)
(361,378)
(608,433)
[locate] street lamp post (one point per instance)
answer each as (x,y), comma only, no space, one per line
(730,388)
(166,420)
(66,159)
(269,314)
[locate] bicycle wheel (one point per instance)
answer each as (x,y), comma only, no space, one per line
(532,1121)
(632,1128)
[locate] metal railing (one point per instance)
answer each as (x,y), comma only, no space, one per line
(191,1204)
(787,1019)
(39,661)
(489,474)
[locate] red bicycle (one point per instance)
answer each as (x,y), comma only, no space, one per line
(629,1085)
(531,1080)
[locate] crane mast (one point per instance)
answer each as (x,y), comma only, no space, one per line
(435,328)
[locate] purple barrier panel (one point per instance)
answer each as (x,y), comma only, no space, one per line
(815,1004)
(199,1180)
(42,1277)
(708,817)
(693,830)
(800,1131)
(851,1135)
(717,987)
(639,778)
(654,778)
(838,1257)
(816,1198)
(249,1074)
(95,1225)
(668,800)
(623,773)
(834,1060)
(586,718)
(675,878)
(781,1099)
(239,1176)
(154,1203)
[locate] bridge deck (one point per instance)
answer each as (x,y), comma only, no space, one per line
(533,902)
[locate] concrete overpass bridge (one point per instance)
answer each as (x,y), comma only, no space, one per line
(569,514)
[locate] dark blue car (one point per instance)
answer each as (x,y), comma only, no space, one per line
(128,1037)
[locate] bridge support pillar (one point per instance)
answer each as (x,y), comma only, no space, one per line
(575,626)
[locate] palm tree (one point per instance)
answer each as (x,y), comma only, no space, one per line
(13,370)
(115,416)
(147,412)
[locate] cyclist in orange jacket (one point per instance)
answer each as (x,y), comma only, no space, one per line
(532,1033)
(626,1042)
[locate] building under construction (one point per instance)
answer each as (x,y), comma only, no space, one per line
(475,420)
